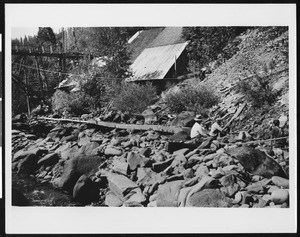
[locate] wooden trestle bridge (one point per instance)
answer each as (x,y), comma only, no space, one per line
(45,51)
(48,51)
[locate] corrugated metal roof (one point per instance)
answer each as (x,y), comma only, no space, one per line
(142,41)
(170,35)
(154,37)
(154,63)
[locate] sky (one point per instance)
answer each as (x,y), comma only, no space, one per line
(18,32)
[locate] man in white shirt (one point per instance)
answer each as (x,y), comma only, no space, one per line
(198,130)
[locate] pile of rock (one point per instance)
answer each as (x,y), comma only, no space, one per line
(131,168)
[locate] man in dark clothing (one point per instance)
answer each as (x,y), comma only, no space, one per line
(276,132)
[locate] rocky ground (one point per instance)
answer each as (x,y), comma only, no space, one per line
(92,165)
(99,166)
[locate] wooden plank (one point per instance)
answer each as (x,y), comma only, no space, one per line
(158,128)
(257,141)
(237,113)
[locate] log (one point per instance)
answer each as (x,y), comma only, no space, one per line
(97,122)
(257,141)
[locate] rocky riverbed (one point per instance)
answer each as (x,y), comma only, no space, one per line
(59,164)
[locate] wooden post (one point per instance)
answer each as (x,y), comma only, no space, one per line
(40,79)
(46,80)
(175,68)
(27,93)
(63,38)
(64,63)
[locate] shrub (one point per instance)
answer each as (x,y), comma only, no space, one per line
(258,93)
(134,98)
(95,89)
(191,98)
(72,103)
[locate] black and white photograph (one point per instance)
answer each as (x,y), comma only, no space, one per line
(166,119)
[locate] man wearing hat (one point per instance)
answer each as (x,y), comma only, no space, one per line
(201,135)
(198,129)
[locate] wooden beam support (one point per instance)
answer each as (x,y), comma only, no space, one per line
(46,54)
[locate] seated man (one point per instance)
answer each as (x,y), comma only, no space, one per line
(216,130)
(198,129)
(276,132)
(199,134)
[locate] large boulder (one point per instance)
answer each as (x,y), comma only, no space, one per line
(69,138)
(112,200)
(282,120)
(180,136)
(280,196)
(120,185)
(172,146)
(280,182)
(230,185)
(88,148)
(160,166)
(23,153)
(167,194)
(135,197)
(85,190)
(55,133)
(205,182)
(146,151)
(146,177)
(113,151)
(184,119)
(76,167)
(120,167)
(49,159)
(136,160)
(69,152)
(62,147)
(201,171)
(28,165)
(256,162)
(208,198)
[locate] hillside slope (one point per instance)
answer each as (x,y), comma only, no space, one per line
(262,52)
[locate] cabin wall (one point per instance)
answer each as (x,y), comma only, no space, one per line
(181,66)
